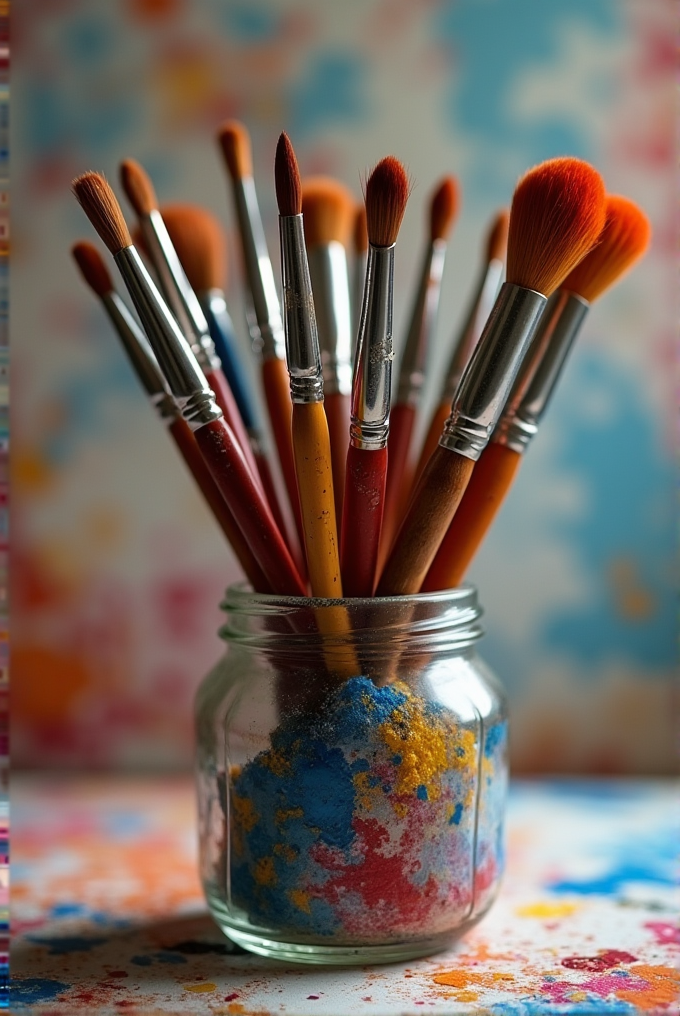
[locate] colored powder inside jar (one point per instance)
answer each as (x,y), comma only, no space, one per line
(360,823)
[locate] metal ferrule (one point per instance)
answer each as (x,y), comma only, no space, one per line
(558,329)
(358,283)
(480,308)
(136,346)
(263,310)
(490,374)
(175,358)
(330,285)
(423,318)
(302,340)
(373,365)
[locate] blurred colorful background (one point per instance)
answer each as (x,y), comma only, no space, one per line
(117,567)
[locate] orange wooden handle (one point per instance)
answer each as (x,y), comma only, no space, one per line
(490,483)
(276,384)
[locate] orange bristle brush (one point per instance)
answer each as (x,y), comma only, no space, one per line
(360,246)
(623,241)
(387,191)
(220,449)
(443,211)
(327,212)
(557,214)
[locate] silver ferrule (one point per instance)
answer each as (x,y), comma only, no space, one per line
(490,374)
(136,346)
(330,286)
(370,406)
(478,313)
(423,319)
(359,281)
(262,306)
(302,339)
(560,324)
(175,358)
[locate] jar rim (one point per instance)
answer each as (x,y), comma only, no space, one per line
(240,594)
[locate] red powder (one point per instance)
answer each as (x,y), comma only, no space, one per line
(605,960)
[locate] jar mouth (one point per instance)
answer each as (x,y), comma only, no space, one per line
(240,596)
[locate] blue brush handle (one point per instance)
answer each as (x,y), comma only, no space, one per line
(222,334)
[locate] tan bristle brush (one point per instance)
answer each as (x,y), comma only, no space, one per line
(483,298)
(443,211)
(221,451)
(557,214)
(360,245)
(144,363)
(623,241)
(328,212)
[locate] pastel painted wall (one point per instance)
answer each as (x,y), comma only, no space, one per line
(118,567)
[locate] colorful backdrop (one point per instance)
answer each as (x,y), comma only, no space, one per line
(117,566)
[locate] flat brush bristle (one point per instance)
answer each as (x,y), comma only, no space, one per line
(199,240)
(360,234)
(444,208)
(328,210)
(92,267)
(497,240)
(234,140)
(287,178)
(137,185)
(557,214)
(623,241)
(99,203)
(387,191)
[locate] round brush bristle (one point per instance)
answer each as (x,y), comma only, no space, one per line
(557,214)
(497,240)
(92,267)
(386,194)
(328,210)
(360,232)
(287,178)
(444,208)
(201,246)
(623,241)
(137,185)
(99,203)
(234,140)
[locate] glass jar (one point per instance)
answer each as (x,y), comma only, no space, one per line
(352,772)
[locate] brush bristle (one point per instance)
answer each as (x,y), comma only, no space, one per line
(99,203)
(360,233)
(287,178)
(328,211)
(444,208)
(557,214)
(92,267)
(199,240)
(137,185)
(497,240)
(623,241)
(234,140)
(387,191)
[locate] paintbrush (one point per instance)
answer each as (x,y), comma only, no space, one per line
(145,365)
(220,450)
(360,243)
(311,441)
(199,240)
(328,212)
(443,211)
(623,241)
(387,190)
(180,296)
(263,311)
(557,214)
(484,295)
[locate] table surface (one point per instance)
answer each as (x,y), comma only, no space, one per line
(108,916)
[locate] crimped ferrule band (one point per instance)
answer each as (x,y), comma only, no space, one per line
(370,409)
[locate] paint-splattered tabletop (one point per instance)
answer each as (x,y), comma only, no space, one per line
(108,915)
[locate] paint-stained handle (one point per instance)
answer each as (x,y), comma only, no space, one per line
(490,482)
(435,499)
(337,408)
(276,384)
(227,403)
(362,518)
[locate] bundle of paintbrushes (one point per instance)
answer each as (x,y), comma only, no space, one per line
(350,505)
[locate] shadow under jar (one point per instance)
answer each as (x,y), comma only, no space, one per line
(352,774)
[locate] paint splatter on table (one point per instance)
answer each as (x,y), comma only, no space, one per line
(108,915)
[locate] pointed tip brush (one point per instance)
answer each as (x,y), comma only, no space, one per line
(387,191)
(622,242)
(557,214)
(360,249)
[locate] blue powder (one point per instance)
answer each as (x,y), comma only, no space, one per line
(457,812)
(34,989)
(494,737)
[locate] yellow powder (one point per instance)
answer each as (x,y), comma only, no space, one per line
(285,813)
(285,851)
(206,986)
(264,871)
(422,748)
(548,910)
(301,900)
(245,816)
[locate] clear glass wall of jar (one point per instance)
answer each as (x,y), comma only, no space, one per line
(351,765)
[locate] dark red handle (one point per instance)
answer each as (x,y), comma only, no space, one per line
(362,516)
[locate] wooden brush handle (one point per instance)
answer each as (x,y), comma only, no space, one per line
(435,499)
(188,449)
(490,483)
(362,519)
(440,415)
(402,420)
(337,408)
(312,450)
(243,494)
(276,384)
(227,403)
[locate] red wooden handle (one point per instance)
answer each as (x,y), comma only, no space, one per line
(402,420)
(227,403)
(362,519)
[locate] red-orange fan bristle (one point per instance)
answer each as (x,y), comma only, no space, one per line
(387,191)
